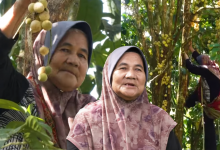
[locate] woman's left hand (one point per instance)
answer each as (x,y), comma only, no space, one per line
(186,56)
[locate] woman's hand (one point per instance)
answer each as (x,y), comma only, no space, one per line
(190,47)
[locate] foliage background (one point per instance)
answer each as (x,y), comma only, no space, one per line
(162,29)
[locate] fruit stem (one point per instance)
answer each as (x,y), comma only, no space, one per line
(19,27)
(48,60)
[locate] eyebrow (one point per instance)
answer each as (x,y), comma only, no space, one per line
(137,65)
(70,45)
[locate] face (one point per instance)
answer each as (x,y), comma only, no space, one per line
(70,61)
(206,60)
(128,77)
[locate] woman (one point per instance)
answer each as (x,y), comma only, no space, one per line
(210,85)
(123,118)
(56,100)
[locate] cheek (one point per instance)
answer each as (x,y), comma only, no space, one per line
(115,81)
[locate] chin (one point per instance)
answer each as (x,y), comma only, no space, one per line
(67,89)
(67,86)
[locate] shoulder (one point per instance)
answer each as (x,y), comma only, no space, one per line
(158,114)
(90,111)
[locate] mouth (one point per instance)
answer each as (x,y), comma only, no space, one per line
(69,72)
(129,84)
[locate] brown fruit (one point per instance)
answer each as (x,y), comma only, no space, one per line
(35,26)
(46,25)
(31,7)
(42,77)
(48,70)
(44,16)
(41,70)
(44,2)
(38,7)
(44,50)
(28,21)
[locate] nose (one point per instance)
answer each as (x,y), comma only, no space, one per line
(72,59)
(130,74)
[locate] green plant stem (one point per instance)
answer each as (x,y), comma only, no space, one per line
(48,60)
(14,143)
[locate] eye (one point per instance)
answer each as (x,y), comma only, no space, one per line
(122,68)
(138,69)
(82,56)
(64,50)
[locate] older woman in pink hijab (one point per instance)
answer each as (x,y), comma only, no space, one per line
(123,118)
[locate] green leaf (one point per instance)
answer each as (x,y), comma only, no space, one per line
(33,141)
(7,104)
(98,78)
(30,108)
(14,124)
(88,84)
(6,133)
(214,45)
(215,49)
(3,138)
(46,127)
(98,36)
(32,122)
(91,12)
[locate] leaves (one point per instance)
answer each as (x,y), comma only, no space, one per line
(6,104)
(35,131)
(91,12)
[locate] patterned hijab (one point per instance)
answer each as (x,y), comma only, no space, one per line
(56,107)
(113,124)
(206,62)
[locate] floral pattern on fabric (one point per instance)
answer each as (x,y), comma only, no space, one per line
(113,124)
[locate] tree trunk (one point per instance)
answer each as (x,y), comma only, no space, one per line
(183,76)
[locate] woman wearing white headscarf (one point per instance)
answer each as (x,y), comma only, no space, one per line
(123,118)
(56,101)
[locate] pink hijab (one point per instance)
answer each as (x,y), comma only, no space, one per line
(63,106)
(113,124)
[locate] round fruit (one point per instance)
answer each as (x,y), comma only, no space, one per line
(42,77)
(35,26)
(46,25)
(38,7)
(28,21)
(44,50)
(44,16)
(44,2)
(151,73)
(31,7)
(48,70)
(41,70)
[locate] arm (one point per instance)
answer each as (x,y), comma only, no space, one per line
(12,19)
(12,84)
(198,70)
(190,102)
(195,54)
(173,143)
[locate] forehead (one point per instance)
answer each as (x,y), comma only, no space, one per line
(74,35)
(131,58)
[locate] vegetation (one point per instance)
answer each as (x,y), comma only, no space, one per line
(163,29)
